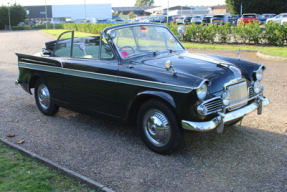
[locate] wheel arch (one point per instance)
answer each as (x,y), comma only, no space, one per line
(33,80)
(142,97)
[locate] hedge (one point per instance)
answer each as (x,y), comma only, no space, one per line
(25,27)
(251,33)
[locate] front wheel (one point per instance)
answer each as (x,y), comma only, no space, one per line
(43,98)
(159,128)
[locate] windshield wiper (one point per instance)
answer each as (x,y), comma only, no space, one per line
(170,50)
(153,52)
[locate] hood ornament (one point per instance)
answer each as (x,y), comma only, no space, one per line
(168,66)
(238,52)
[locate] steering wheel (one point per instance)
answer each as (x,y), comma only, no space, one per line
(127,47)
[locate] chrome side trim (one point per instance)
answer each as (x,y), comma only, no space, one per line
(106,77)
(223,118)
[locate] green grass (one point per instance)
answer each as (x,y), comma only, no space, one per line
(21,173)
(269,50)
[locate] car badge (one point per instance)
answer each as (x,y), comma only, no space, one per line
(82,47)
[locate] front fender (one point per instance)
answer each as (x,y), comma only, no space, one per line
(165,96)
(246,67)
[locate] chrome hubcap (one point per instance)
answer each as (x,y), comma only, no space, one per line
(156,127)
(44,96)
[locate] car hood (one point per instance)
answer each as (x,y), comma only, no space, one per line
(217,71)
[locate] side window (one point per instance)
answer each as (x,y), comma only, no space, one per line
(63,45)
(86,47)
(106,51)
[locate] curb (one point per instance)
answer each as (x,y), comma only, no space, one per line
(268,57)
(59,168)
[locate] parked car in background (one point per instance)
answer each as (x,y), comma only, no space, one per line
(233,19)
(103,21)
(180,20)
(284,21)
(277,18)
(248,18)
(220,19)
(119,20)
(187,19)
(207,19)
(165,19)
(266,16)
(142,74)
(197,19)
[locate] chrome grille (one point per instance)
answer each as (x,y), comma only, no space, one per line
(213,105)
(251,92)
(238,94)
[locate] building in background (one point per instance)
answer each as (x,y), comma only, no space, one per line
(220,9)
(63,13)
(139,11)
(178,10)
(37,14)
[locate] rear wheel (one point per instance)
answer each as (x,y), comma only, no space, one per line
(43,98)
(158,127)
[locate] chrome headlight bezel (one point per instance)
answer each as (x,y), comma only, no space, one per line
(259,73)
(201,92)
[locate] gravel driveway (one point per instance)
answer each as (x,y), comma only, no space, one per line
(251,157)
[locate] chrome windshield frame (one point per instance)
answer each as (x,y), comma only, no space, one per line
(137,25)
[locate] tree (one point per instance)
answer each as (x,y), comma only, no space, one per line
(115,14)
(131,15)
(17,14)
(121,14)
(140,3)
(256,6)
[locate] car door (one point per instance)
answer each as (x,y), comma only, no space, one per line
(93,80)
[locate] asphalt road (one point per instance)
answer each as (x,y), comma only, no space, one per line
(251,157)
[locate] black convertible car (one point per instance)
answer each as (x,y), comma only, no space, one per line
(141,73)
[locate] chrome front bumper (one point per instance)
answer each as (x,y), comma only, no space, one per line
(219,121)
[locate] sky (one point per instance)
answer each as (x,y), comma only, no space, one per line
(116,3)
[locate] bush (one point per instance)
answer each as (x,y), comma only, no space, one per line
(275,34)
(17,27)
(27,27)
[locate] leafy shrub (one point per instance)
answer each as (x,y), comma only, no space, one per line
(27,27)
(17,28)
(275,34)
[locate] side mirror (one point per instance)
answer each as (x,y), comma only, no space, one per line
(181,30)
(112,34)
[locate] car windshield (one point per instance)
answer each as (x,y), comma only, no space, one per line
(248,16)
(218,16)
(139,40)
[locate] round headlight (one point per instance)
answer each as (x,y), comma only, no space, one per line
(259,74)
(225,98)
(257,87)
(201,91)
(202,110)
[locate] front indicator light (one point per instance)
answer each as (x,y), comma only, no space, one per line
(202,110)
(257,87)
(225,98)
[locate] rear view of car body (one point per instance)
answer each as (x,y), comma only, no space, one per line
(197,19)
(180,20)
(187,19)
(248,18)
(206,19)
(220,19)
